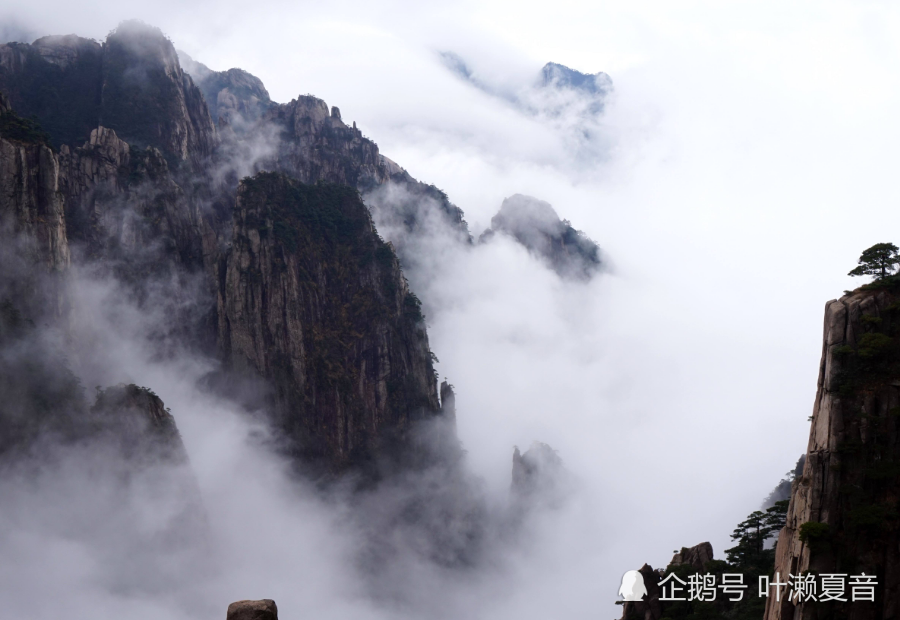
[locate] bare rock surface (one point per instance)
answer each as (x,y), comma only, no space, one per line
(32,204)
(264,609)
(843,514)
(696,556)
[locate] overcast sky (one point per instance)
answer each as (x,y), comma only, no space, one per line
(747,155)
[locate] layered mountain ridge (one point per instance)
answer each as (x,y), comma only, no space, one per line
(143,184)
(145,200)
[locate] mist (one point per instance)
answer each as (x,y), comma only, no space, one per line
(742,161)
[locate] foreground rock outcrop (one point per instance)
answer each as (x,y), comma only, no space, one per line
(843,515)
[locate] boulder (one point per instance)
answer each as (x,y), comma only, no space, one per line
(696,556)
(264,609)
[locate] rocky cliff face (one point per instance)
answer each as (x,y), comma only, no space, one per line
(57,80)
(124,205)
(32,208)
(149,100)
(303,292)
(132,84)
(318,145)
(843,515)
(235,97)
(314,301)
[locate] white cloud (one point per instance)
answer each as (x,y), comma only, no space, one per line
(751,158)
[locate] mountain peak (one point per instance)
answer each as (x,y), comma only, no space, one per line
(561,76)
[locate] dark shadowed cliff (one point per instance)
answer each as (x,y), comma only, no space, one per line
(132,83)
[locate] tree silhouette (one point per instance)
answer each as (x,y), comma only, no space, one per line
(879,261)
(751,536)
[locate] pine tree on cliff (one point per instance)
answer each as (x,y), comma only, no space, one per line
(879,261)
(751,535)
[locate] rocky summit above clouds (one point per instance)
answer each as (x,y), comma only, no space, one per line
(535,225)
(555,91)
(555,75)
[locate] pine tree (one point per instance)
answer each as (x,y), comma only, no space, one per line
(879,261)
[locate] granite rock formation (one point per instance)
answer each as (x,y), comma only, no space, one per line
(32,207)
(843,514)
(535,225)
(696,556)
(287,280)
(235,97)
(314,301)
(132,83)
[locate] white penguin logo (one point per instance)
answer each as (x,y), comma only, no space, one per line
(632,588)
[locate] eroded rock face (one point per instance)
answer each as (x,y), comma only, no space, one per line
(123,203)
(32,206)
(850,483)
(264,609)
(314,301)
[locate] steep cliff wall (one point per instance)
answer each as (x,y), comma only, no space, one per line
(317,145)
(314,301)
(32,204)
(132,84)
(147,98)
(303,291)
(57,80)
(843,515)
